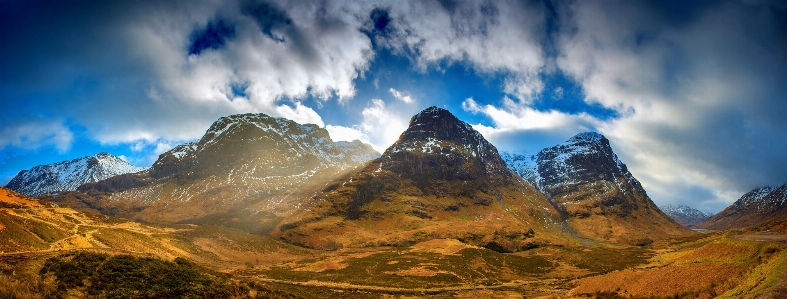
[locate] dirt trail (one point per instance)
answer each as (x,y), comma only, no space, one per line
(347,286)
(764,238)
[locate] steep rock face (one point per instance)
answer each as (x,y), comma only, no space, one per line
(69,175)
(597,195)
(685,215)
(755,207)
(249,164)
(441,179)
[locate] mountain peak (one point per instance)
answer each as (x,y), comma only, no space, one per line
(242,162)
(430,115)
(586,181)
(441,141)
(756,206)
(587,137)
(68,175)
(685,215)
(438,124)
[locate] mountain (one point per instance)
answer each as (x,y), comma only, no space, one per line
(594,191)
(247,171)
(685,215)
(69,175)
(755,207)
(440,179)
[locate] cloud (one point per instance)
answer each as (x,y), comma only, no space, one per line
(489,36)
(340,133)
(520,128)
(698,88)
(380,126)
(402,96)
(701,93)
(32,135)
(152,71)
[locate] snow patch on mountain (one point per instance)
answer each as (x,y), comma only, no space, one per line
(684,214)
(763,200)
(567,163)
(68,175)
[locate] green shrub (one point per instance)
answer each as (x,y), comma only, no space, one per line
(125,276)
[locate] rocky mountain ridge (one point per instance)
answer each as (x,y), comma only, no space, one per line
(252,164)
(597,195)
(755,207)
(69,175)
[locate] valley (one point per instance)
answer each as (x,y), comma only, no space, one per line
(725,264)
(264,207)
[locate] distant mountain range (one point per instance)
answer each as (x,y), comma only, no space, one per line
(755,207)
(247,170)
(594,191)
(685,215)
(69,175)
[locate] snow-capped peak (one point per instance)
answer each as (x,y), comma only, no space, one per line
(755,195)
(68,175)
(587,137)
(684,214)
(585,157)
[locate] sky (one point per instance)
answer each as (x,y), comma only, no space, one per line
(691,94)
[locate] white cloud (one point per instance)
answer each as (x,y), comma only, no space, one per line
(151,89)
(340,133)
(514,116)
(404,97)
(518,127)
(32,135)
(379,127)
(689,89)
(489,36)
(301,114)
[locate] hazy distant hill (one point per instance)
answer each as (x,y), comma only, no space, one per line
(594,191)
(441,179)
(755,207)
(69,175)
(685,215)
(253,165)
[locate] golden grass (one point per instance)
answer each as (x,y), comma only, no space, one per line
(11,198)
(762,280)
(699,279)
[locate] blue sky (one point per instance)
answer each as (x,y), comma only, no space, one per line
(692,96)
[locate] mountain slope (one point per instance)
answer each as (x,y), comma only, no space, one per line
(69,175)
(441,179)
(27,223)
(755,207)
(685,215)
(597,195)
(251,165)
